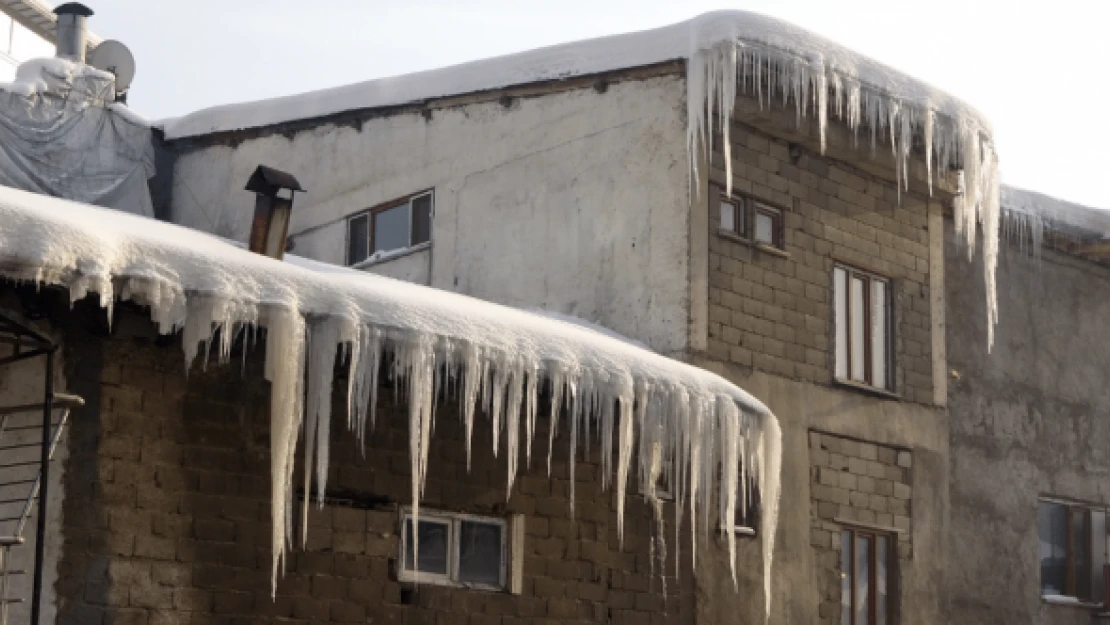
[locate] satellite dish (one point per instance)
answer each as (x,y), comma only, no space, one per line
(112,56)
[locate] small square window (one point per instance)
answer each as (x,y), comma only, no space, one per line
(480,557)
(435,539)
(732,216)
(768,224)
(456,550)
(391,226)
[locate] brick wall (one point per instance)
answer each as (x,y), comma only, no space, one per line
(775,314)
(167,516)
(856,483)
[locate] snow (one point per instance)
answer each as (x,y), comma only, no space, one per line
(1027,214)
(211,290)
(62,134)
(726,52)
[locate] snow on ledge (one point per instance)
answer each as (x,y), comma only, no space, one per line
(679,419)
(1028,214)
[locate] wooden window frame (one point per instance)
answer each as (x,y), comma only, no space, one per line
(376,210)
(739,214)
(778,218)
(868,278)
(872,573)
(454,520)
(1072,509)
(745,208)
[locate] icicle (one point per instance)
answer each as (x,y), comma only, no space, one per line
(284,369)
(624,458)
(556,408)
(930,127)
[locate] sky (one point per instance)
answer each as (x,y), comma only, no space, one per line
(1038,70)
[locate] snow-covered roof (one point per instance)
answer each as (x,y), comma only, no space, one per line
(726,53)
(1044,211)
(678,41)
(684,421)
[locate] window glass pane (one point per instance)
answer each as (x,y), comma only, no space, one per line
(1098,556)
(480,553)
(879,349)
(391,229)
(881,590)
(728,216)
(859,315)
(358,239)
(845,578)
(421,219)
(1052,530)
(765,228)
(863,579)
(432,557)
(840,297)
(1081,551)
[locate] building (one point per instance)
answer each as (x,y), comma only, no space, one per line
(581,179)
(178,494)
(799,231)
(27,31)
(1029,430)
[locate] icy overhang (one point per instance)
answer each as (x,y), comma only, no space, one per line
(653,415)
(1040,212)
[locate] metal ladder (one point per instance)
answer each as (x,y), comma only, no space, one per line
(21,476)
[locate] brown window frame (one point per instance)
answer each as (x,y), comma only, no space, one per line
(1073,584)
(868,278)
(745,209)
(739,214)
(872,573)
(777,215)
(376,210)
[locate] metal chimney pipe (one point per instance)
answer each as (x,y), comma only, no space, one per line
(70,31)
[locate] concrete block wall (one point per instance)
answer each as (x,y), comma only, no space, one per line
(775,313)
(168,520)
(856,484)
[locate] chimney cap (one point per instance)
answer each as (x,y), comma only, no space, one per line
(75,8)
(267,180)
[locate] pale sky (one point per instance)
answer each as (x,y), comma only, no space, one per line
(1039,70)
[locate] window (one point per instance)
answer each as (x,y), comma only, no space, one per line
(733,217)
(768,224)
(454,549)
(1072,550)
(391,226)
(865,577)
(741,215)
(863,327)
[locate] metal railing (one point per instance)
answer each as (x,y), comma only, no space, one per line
(18,443)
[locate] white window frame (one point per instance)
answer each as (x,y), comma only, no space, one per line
(454,521)
(846,375)
(371,213)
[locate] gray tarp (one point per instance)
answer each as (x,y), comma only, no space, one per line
(61,134)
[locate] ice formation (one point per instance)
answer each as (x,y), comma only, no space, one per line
(652,413)
(779,63)
(1027,215)
(726,52)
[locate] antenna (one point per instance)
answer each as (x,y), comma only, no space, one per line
(112,56)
